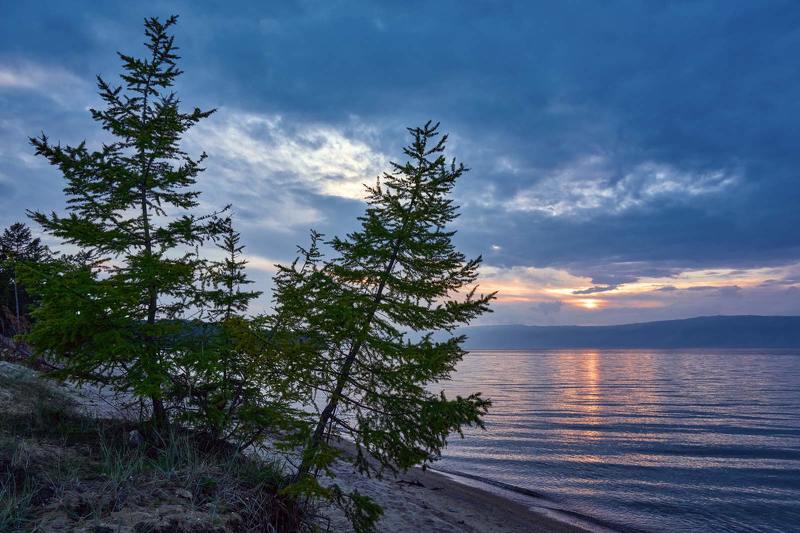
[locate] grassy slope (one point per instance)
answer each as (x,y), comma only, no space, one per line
(62,471)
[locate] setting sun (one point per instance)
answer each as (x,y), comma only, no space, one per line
(590,303)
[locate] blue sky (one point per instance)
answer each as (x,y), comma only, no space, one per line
(629,160)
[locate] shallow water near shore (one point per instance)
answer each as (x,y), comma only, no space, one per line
(689,440)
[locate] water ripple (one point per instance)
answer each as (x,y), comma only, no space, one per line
(653,440)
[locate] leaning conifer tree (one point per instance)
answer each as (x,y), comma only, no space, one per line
(366,321)
(120,319)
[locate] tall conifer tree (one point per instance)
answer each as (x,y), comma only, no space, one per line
(118,319)
(363,322)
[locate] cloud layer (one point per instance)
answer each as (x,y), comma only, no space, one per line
(617,149)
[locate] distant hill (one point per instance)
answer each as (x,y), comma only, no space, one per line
(700,332)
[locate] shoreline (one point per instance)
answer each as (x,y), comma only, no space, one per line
(439,501)
(537,503)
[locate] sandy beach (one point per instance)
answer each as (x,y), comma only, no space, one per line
(435,502)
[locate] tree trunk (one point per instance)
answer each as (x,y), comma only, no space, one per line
(344,373)
(16,302)
(159,418)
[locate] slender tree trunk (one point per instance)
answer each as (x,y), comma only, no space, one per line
(159,415)
(16,301)
(352,354)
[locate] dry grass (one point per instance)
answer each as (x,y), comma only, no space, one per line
(61,469)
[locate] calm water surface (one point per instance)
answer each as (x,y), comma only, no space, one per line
(652,440)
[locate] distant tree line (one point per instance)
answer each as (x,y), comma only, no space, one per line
(155,302)
(17,245)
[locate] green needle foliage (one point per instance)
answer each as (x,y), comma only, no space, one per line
(233,393)
(121,317)
(227,278)
(362,324)
(217,385)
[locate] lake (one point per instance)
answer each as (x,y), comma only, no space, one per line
(684,440)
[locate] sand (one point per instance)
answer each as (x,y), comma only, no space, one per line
(434,502)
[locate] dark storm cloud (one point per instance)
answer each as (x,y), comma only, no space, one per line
(656,241)
(617,140)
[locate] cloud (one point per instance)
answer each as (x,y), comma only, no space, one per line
(263,264)
(543,284)
(560,296)
(249,148)
(730,291)
(28,77)
(668,150)
(285,176)
(592,184)
(526,284)
(548,308)
(596,289)
(51,81)
(701,288)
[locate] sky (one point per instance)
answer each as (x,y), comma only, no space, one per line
(630,160)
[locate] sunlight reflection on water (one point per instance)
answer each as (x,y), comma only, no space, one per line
(654,440)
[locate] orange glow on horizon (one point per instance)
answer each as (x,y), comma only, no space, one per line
(521,285)
(590,303)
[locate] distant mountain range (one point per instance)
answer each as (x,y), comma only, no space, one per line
(700,332)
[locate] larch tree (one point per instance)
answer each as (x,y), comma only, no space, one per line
(363,324)
(233,393)
(120,318)
(227,277)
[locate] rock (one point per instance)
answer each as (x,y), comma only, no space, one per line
(135,439)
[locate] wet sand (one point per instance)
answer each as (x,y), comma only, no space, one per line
(430,501)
